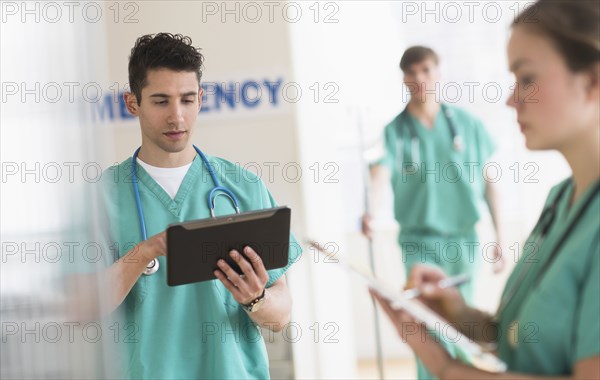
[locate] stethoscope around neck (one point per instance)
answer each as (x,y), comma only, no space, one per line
(541,229)
(414,152)
(217,190)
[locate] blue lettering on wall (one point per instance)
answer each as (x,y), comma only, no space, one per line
(246,99)
(226,93)
(218,97)
(102,107)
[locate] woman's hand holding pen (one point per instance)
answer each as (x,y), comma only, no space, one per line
(446,301)
(434,290)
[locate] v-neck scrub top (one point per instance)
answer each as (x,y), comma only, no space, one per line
(553,321)
(444,192)
(196,330)
(438,201)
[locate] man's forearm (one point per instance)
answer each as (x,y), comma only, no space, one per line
(491,198)
(123,274)
(379,183)
(98,294)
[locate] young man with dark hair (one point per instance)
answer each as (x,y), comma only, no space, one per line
(204,330)
(434,156)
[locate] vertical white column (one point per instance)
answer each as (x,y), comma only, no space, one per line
(51,53)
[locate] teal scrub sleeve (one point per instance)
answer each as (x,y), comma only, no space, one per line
(389,149)
(295,250)
(587,339)
(485,143)
(91,248)
(109,206)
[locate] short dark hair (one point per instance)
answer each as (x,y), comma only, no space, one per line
(572,25)
(417,54)
(161,51)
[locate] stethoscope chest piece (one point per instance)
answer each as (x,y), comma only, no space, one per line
(152,267)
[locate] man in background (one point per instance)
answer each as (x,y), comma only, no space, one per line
(434,156)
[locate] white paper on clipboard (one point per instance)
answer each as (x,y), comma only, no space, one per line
(468,350)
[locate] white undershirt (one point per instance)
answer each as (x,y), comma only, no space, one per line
(169,179)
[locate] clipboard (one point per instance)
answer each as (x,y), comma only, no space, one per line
(194,247)
(467,350)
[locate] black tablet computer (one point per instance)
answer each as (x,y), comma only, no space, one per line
(194,247)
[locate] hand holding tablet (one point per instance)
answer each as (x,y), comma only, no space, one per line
(195,247)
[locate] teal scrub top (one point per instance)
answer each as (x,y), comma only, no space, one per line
(195,330)
(443,193)
(553,321)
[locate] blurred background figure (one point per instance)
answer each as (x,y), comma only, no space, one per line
(436,207)
(431,149)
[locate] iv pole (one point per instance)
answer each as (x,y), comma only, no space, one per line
(367,189)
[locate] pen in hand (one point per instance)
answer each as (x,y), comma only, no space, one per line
(448,282)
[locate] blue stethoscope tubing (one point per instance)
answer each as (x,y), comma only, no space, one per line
(457,141)
(152,267)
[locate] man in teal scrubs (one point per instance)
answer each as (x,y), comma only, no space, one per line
(435,155)
(207,330)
